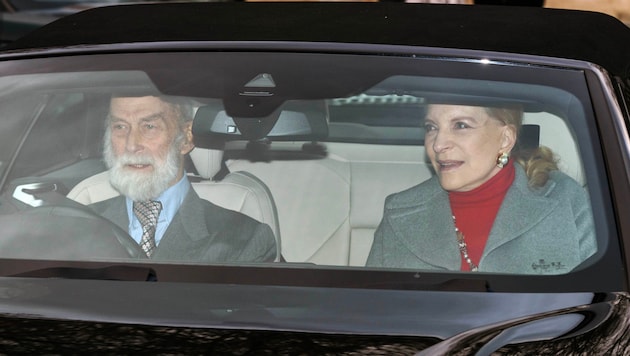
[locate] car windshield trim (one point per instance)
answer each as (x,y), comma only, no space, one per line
(561,88)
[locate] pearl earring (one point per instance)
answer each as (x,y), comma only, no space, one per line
(502,160)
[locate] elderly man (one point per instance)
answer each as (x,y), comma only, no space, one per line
(145,143)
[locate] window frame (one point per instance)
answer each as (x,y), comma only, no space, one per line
(609,260)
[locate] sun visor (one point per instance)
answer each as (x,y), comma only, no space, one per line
(458,91)
(294,121)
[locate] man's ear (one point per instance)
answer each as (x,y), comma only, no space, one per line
(188,143)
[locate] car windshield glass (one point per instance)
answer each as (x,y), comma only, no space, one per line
(355,162)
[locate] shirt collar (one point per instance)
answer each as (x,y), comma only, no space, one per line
(171,199)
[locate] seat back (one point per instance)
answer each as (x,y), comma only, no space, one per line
(238,191)
(556,134)
(93,189)
(329,208)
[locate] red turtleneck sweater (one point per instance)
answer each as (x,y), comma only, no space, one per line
(476,210)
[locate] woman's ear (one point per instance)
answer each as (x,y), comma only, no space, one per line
(508,138)
(187,144)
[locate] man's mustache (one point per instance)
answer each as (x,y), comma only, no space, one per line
(127,159)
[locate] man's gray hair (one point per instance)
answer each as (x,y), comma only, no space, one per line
(184,107)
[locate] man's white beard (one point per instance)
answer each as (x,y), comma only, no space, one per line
(141,186)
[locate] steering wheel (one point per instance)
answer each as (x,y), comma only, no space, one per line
(64,229)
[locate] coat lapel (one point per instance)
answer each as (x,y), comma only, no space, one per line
(426,229)
(521,210)
(187,228)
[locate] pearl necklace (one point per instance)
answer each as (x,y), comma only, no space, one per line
(463,248)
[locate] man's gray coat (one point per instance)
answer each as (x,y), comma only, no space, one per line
(204,232)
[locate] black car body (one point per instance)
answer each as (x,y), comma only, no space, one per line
(18,18)
(372,65)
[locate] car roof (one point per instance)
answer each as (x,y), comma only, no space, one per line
(580,35)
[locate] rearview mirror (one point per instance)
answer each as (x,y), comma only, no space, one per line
(294,121)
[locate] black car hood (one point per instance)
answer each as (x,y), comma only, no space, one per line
(110,313)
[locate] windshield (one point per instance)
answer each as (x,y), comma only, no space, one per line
(357,162)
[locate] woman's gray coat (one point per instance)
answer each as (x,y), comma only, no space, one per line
(543,231)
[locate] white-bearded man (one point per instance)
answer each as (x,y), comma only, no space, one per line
(145,144)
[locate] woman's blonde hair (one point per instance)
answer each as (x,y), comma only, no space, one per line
(537,162)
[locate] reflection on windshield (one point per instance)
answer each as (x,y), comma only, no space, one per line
(398,170)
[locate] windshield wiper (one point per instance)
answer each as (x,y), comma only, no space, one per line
(115,273)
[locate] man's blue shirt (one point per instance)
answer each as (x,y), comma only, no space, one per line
(171,200)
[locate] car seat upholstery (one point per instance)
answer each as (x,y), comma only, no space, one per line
(556,134)
(329,208)
(238,191)
(93,189)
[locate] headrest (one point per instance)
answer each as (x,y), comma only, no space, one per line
(206,161)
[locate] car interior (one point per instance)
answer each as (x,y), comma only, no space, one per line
(316,169)
(323,199)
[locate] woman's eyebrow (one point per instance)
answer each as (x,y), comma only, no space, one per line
(463,117)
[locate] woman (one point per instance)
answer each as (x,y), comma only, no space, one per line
(481,211)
